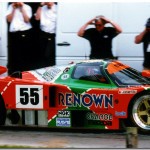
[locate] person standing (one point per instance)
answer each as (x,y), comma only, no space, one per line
(144,37)
(19,36)
(100,37)
(47,15)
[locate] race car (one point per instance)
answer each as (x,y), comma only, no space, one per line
(91,94)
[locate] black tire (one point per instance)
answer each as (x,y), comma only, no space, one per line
(139,112)
(13,116)
(2,112)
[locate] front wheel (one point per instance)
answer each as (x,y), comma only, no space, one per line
(139,112)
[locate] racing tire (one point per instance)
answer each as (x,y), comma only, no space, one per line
(139,112)
(2,111)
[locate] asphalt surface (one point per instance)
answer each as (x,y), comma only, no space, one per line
(64,139)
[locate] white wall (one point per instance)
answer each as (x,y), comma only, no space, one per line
(131,16)
(71,16)
(3,30)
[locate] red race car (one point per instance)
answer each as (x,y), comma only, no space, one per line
(92,94)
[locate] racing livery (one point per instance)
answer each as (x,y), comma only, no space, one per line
(92,94)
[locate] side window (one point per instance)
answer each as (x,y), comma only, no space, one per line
(79,72)
(89,73)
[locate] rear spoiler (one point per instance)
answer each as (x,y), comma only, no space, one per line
(2,70)
(146,73)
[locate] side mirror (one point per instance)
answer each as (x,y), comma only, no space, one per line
(102,79)
(146,73)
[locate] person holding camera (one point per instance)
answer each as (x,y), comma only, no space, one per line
(47,15)
(19,36)
(144,37)
(100,37)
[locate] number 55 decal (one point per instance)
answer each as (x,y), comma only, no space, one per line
(29,96)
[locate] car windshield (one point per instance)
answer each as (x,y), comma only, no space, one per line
(125,75)
(89,72)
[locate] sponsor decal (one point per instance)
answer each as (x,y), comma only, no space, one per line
(65,76)
(87,100)
(64,113)
(63,122)
(100,123)
(106,36)
(51,73)
(114,67)
(122,113)
(103,117)
(146,88)
(127,91)
(29,96)
(66,70)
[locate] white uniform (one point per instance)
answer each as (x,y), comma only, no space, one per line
(48,19)
(20,40)
(18,24)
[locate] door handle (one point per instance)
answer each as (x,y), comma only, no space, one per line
(64,44)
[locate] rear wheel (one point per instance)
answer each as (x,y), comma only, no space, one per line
(139,112)
(2,112)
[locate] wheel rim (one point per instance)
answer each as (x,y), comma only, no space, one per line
(141,112)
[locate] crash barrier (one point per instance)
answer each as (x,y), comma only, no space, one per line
(131,137)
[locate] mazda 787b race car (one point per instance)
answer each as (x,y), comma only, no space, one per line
(91,94)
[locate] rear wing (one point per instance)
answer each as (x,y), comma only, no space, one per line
(2,70)
(146,73)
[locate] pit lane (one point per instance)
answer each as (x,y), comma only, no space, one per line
(54,138)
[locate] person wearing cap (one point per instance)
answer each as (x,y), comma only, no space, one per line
(100,37)
(144,37)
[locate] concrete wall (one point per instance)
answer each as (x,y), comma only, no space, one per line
(131,16)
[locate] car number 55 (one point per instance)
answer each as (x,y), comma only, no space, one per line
(29,96)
